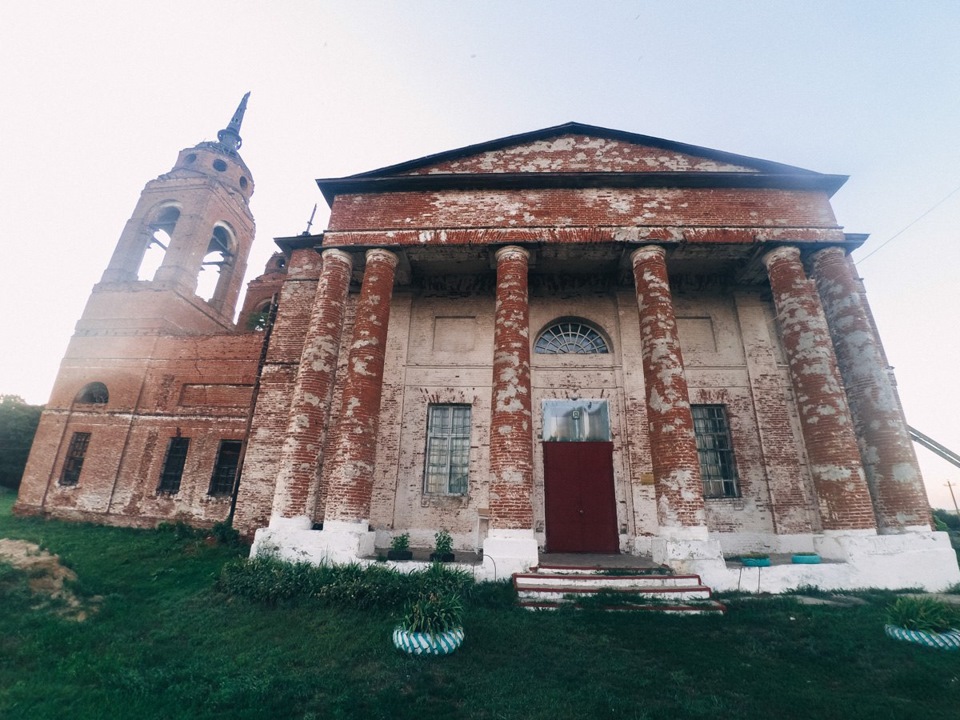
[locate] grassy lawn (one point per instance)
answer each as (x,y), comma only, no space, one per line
(164,643)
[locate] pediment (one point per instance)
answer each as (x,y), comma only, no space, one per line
(572,153)
(579,148)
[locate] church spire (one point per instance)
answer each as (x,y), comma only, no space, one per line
(229,137)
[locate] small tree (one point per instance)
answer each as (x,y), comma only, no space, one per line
(18,425)
(951,520)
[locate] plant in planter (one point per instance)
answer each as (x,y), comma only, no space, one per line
(805,558)
(442,547)
(431,625)
(400,548)
(755,560)
(924,620)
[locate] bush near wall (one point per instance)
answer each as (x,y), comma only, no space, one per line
(18,425)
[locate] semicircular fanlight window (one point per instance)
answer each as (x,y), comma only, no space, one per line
(570,336)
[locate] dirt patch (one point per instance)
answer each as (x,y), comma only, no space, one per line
(46,578)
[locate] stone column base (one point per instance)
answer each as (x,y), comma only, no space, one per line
(509,551)
(337,543)
(914,559)
(690,557)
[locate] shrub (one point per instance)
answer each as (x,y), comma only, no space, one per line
(271,581)
(225,534)
(443,543)
(434,613)
(922,613)
(400,543)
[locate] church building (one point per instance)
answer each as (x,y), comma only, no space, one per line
(572,340)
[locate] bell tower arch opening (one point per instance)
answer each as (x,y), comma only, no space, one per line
(186,243)
(160,235)
(217,266)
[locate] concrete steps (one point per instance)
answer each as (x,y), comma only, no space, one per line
(549,587)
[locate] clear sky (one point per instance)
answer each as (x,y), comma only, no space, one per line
(96,98)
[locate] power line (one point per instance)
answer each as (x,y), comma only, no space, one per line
(897,234)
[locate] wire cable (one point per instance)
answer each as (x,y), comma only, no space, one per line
(910,225)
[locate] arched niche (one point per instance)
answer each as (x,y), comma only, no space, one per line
(94,393)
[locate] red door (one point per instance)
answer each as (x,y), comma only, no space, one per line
(581,510)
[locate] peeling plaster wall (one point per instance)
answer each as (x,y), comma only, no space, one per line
(610,208)
(580,153)
(426,364)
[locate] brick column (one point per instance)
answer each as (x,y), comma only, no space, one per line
(511,439)
(831,444)
(295,495)
(673,446)
(355,437)
(893,475)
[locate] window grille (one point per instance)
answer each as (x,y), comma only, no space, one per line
(225,469)
(570,336)
(173,465)
(76,452)
(448,450)
(715,449)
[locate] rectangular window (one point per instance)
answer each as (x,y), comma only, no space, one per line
(74,461)
(717,467)
(225,470)
(173,465)
(448,449)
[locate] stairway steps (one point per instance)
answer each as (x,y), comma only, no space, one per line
(711,607)
(698,592)
(549,587)
(540,579)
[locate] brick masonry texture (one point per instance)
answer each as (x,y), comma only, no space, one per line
(580,153)
(364,342)
(825,416)
(887,451)
(673,448)
(511,442)
(355,438)
(297,481)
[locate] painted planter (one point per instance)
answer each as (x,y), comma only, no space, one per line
(442,557)
(805,559)
(755,561)
(399,555)
(949,640)
(427,643)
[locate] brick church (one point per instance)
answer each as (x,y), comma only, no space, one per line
(572,340)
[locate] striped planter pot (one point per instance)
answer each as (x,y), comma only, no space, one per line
(949,640)
(427,643)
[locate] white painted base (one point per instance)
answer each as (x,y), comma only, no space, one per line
(508,551)
(861,560)
(689,557)
(338,542)
(741,543)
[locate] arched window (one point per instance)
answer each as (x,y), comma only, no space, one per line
(161,231)
(220,253)
(570,336)
(94,393)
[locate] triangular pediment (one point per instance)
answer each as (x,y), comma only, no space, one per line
(577,155)
(579,148)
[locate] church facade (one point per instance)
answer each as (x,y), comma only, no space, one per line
(574,340)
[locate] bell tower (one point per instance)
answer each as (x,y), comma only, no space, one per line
(181,258)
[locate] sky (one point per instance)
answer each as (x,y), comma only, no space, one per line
(97,98)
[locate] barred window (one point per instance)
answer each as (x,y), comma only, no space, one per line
(570,336)
(225,469)
(448,449)
(717,466)
(76,452)
(173,465)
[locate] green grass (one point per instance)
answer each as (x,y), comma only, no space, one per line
(166,643)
